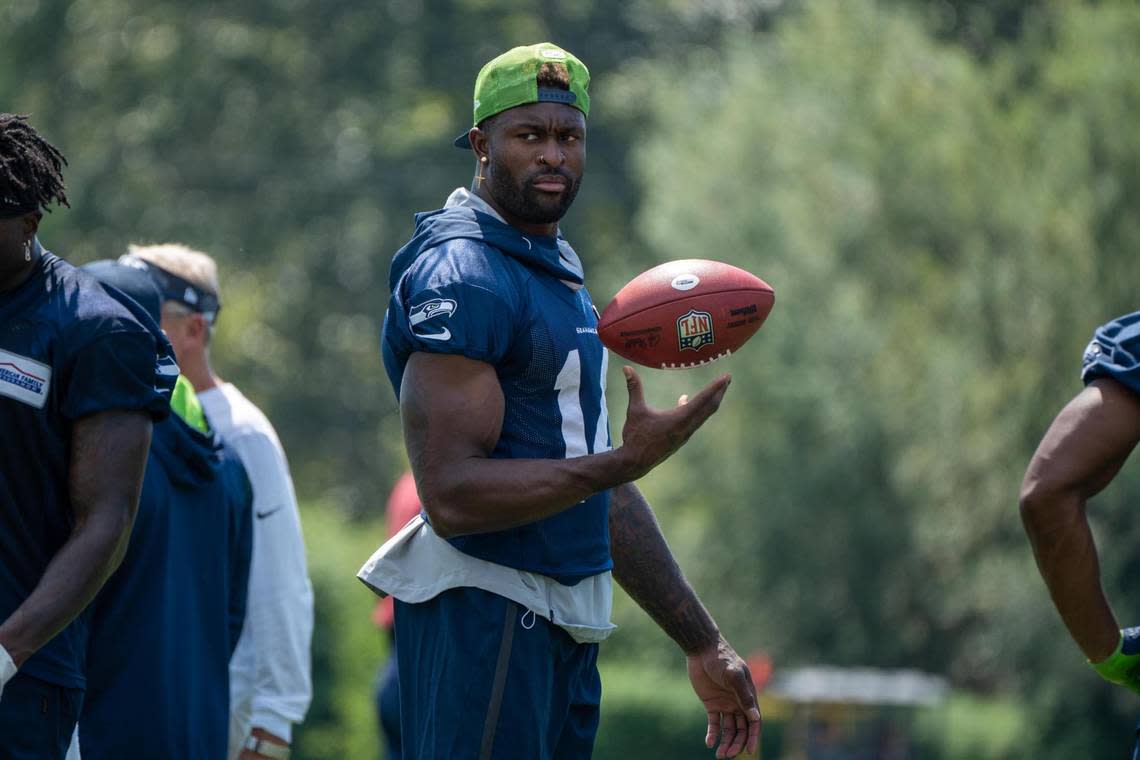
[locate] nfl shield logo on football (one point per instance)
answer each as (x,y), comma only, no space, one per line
(694,330)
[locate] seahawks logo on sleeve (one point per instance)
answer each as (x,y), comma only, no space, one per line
(436,308)
(1095,352)
(1114,352)
(165,375)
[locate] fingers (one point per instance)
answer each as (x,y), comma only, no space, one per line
(738,733)
(710,394)
(753,733)
(727,737)
(713,732)
(732,735)
(741,739)
(747,720)
(702,406)
(633,386)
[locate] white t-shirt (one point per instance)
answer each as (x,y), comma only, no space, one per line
(270,672)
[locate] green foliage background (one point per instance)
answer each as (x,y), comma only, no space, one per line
(943,194)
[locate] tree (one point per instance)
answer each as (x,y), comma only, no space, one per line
(942,234)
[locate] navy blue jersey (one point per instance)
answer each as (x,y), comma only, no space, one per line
(165,624)
(1114,352)
(67,350)
(469,284)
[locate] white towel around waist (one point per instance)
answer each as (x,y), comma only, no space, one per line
(416,565)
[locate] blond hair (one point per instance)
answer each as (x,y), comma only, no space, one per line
(197,268)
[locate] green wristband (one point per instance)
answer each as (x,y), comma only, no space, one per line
(1123,665)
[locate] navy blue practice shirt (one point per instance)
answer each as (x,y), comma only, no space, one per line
(469,284)
(67,350)
(1114,352)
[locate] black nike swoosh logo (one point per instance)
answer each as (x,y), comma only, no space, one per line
(263,515)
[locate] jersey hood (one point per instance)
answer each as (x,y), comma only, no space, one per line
(462,218)
(190,458)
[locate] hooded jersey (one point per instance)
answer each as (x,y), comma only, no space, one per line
(469,284)
(68,349)
(1114,352)
(165,624)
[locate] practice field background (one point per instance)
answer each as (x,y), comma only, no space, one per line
(944,194)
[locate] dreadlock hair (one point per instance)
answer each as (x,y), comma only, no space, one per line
(31,168)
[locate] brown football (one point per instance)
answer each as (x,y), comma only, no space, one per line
(685,313)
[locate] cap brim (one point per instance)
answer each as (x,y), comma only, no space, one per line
(463,141)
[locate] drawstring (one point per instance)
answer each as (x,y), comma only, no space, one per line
(532,619)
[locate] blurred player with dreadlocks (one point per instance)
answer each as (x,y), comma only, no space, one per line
(82,377)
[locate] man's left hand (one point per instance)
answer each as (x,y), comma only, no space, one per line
(722,681)
(265,736)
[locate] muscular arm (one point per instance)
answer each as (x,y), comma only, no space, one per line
(452,413)
(108,458)
(1080,454)
(645,568)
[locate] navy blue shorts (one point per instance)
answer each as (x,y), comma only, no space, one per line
(482,678)
(37,719)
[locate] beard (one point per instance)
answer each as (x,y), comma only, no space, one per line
(522,201)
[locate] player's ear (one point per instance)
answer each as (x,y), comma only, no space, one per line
(198,328)
(32,222)
(480,143)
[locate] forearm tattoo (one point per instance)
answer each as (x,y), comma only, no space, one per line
(645,568)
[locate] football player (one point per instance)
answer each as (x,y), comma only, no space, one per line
(163,628)
(490,341)
(82,376)
(270,673)
(1081,453)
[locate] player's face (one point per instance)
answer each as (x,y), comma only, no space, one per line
(536,157)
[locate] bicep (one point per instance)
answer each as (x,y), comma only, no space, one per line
(451,408)
(108,459)
(1088,442)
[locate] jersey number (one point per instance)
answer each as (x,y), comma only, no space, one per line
(568,384)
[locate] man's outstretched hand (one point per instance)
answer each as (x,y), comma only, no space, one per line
(650,436)
(722,681)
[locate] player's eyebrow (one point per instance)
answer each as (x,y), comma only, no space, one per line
(535,124)
(559,124)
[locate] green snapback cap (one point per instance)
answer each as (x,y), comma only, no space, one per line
(511,80)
